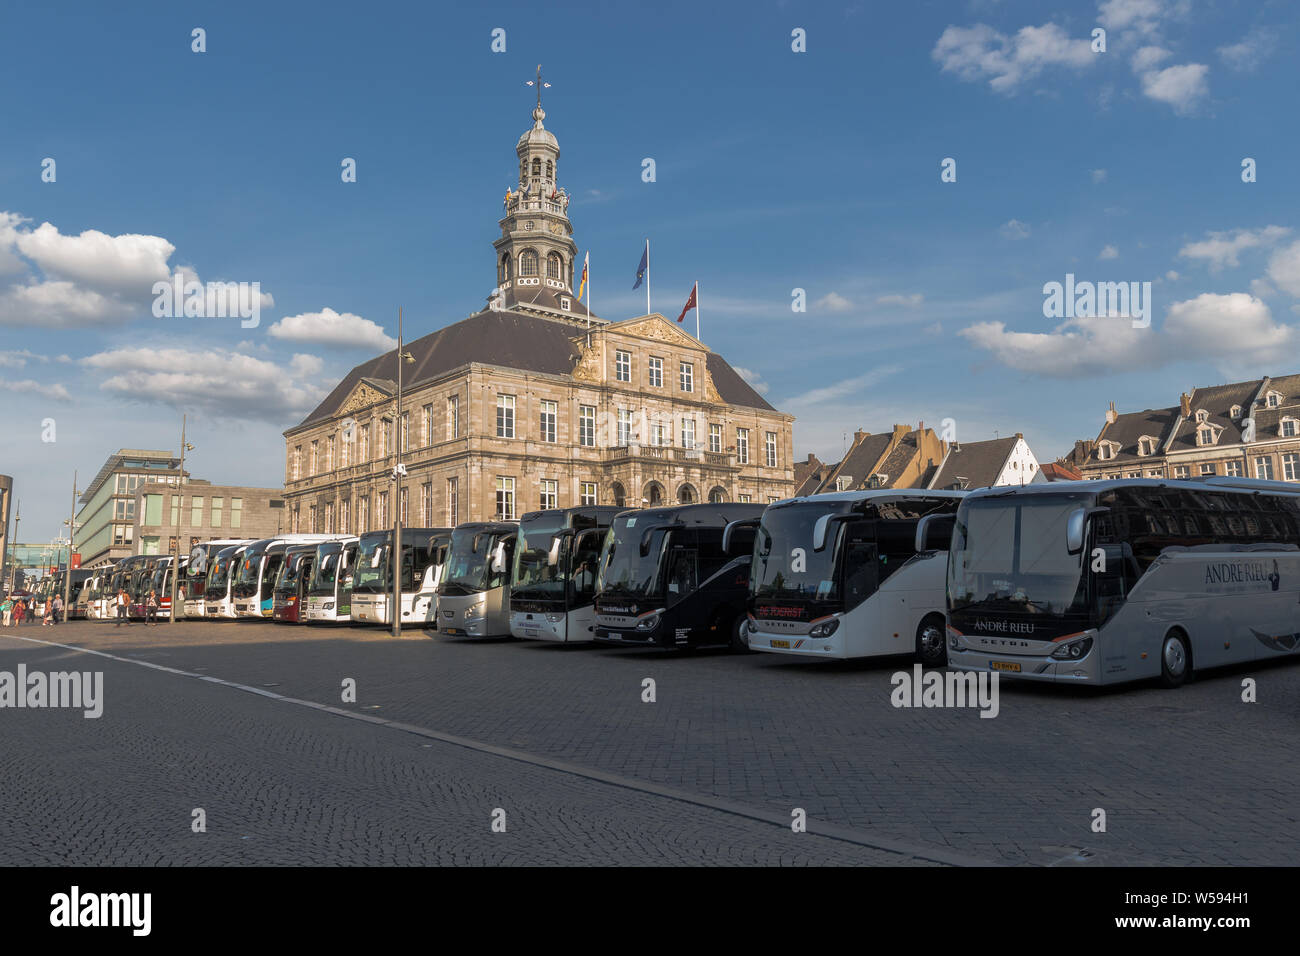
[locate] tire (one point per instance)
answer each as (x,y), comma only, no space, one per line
(739,641)
(931,642)
(1175,659)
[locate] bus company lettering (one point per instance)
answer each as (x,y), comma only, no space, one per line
(1087,300)
(947,689)
(990,626)
(1243,572)
(771,612)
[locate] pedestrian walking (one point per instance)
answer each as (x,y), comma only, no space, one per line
(58,609)
(151,609)
(7,610)
(121,608)
(47,613)
(30,605)
(20,612)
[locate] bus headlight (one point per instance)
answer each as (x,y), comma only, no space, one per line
(555,618)
(955,643)
(649,622)
(824,629)
(1072,650)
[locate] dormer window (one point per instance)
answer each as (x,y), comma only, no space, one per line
(1235,412)
(564,302)
(844,483)
(1205,436)
(1106,451)
(1201,415)
(1146,446)
(1273,399)
(1289,428)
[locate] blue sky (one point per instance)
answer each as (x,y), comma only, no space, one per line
(775,171)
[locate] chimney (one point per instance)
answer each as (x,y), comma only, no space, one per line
(859,435)
(901,431)
(1185,405)
(1020,435)
(1112,416)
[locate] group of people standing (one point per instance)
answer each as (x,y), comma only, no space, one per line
(21,609)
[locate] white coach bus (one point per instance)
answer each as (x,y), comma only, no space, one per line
(1100,582)
(852,574)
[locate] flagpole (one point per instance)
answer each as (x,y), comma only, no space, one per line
(586,261)
(647,276)
(697,310)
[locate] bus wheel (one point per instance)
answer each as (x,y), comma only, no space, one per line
(1175,660)
(739,639)
(931,648)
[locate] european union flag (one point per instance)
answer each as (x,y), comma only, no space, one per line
(640,270)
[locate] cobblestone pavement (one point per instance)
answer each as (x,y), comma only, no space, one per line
(1192,776)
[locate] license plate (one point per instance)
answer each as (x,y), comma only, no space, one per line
(530,632)
(1005,666)
(776,643)
(450,630)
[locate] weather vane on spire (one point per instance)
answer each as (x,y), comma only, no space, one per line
(540,85)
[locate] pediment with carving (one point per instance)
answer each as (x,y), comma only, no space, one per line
(660,329)
(361,397)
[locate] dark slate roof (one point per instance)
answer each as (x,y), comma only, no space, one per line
(515,340)
(540,296)
(899,458)
(1268,420)
(976,463)
(1217,400)
(1130,426)
(808,475)
(859,463)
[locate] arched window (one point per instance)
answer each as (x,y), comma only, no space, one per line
(618,494)
(523,170)
(718,495)
(537,168)
(550,170)
(503,272)
(528,262)
(686,495)
(654,494)
(554,265)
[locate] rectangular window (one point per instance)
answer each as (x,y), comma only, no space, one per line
(1288,428)
(742,446)
(295,469)
(176,510)
(426,419)
(1264,468)
(1232,468)
(236,512)
(404,514)
(1180,471)
(623,366)
(196,511)
(587,426)
(656,372)
(769,444)
(588,493)
(688,433)
(381,510)
(743,499)
(329,517)
(453,416)
(659,435)
(546,421)
(715,439)
(505,416)
(624,426)
(311,520)
(550,493)
(771,499)
(218,505)
(365,443)
(1291,467)
(1208,469)
(363,514)
(453,504)
(345,453)
(505,499)
(314,467)
(329,453)
(404,437)
(426,504)
(344,508)
(686,378)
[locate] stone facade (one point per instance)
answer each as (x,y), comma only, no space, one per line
(203,512)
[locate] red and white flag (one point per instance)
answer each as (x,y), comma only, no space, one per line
(690,303)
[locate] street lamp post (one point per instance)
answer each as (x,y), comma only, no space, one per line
(180,507)
(72,529)
(399,472)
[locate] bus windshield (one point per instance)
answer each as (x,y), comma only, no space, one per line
(290,573)
(219,574)
(328,560)
(625,570)
(1010,554)
(785,565)
(372,566)
(469,570)
(246,580)
(534,577)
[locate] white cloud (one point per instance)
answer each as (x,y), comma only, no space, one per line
(980,52)
(1221,249)
(1248,52)
(1182,87)
(1284,269)
(331,328)
(56,392)
(1014,229)
(128,262)
(226,385)
(833,302)
(1171,275)
(1233,331)
(839,390)
(1141,16)
(1108,252)
(754,379)
(1147,57)
(1099,175)
(909,301)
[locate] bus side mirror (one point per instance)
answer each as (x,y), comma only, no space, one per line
(499,558)
(553,556)
(934,532)
(738,537)
(1074,527)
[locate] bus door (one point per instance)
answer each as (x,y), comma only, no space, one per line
(580,589)
(861,574)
